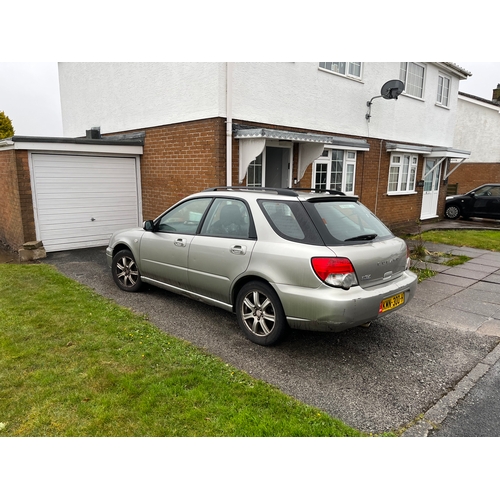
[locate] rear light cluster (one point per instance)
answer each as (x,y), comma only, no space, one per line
(335,271)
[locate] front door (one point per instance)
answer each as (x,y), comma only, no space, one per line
(431,189)
(277,167)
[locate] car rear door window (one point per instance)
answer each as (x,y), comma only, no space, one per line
(290,221)
(227,218)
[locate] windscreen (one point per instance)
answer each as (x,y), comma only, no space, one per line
(345,221)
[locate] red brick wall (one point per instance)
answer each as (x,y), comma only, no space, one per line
(17,224)
(372,177)
(471,175)
(179,160)
(25,195)
(394,210)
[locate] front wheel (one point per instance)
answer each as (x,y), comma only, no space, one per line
(260,313)
(452,212)
(125,271)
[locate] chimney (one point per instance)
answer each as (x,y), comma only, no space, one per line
(93,133)
(496,94)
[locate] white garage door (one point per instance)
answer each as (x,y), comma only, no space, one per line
(81,200)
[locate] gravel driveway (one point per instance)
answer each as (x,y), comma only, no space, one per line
(375,379)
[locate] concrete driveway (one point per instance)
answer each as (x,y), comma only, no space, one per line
(377,379)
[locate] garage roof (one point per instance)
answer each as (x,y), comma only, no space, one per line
(125,143)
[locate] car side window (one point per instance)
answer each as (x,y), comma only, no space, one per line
(484,191)
(290,221)
(227,218)
(283,218)
(184,218)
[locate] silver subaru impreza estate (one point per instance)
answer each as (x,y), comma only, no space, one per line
(278,258)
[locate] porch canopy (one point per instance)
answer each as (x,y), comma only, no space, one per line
(311,146)
(432,152)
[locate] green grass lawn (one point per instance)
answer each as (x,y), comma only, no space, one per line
(484,240)
(73,363)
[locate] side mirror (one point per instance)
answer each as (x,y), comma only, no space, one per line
(472,194)
(148,226)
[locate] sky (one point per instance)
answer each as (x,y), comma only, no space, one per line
(29,93)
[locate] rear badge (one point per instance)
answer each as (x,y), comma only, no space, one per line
(366,277)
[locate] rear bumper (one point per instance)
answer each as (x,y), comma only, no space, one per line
(333,309)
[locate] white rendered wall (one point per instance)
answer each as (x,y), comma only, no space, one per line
(301,95)
(126,96)
(478,130)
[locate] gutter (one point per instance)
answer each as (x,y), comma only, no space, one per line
(229,123)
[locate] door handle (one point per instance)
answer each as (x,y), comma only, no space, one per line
(238,249)
(180,242)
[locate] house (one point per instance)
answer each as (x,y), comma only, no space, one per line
(478,130)
(304,125)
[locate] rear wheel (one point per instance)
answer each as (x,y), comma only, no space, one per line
(452,212)
(125,271)
(260,313)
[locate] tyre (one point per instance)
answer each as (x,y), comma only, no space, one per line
(125,271)
(452,212)
(260,313)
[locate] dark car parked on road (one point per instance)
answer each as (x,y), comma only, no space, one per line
(484,201)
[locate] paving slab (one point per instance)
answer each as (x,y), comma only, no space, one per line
(493,258)
(454,317)
(433,266)
(463,303)
(472,265)
(477,295)
(466,273)
(452,280)
(469,252)
(432,292)
(486,286)
(490,327)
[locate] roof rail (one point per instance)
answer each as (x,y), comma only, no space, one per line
(281,191)
(319,190)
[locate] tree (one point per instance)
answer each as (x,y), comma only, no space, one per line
(6,128)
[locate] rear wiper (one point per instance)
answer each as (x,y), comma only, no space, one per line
(363,237)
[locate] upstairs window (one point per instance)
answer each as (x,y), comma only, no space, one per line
(412,74)
(352,69)
(402,174)
(443,93)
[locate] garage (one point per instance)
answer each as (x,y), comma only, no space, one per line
(79,201)
(69,193)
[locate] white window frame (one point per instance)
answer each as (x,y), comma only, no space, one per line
(259,162)
(408,77)
(346,70)
(348,164)
(405,178)
(443,98)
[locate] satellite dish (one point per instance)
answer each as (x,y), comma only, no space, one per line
(392,89)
